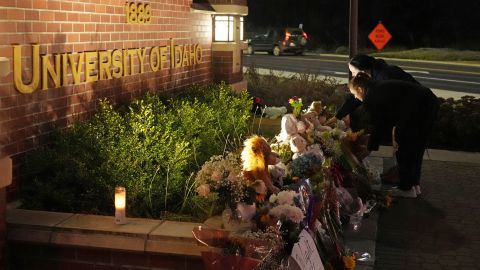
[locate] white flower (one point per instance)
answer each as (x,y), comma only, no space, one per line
(286,197)
(288,212)
(273,198)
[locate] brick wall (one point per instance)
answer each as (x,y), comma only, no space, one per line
(223,68)
(81,26)
(27,256)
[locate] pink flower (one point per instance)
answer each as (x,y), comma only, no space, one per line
(216,176)
(203,190)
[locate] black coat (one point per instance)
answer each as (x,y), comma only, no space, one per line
(408,106)
(380,71)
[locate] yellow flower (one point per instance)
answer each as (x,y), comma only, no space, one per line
(349,262)
(265,218)
(291,101)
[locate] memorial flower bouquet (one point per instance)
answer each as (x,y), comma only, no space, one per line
(286,208)
(221,176)
(296,104)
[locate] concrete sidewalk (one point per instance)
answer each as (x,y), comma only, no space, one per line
(441,228)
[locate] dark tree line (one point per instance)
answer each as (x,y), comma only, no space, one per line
(412,23)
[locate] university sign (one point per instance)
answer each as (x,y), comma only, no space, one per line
(100,65)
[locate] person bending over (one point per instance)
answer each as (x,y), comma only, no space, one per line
(408,106)
(379,70)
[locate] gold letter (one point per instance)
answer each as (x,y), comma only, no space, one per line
(172,54)
(125,56)
(76,67)
(141,56)
(90,66)
(191,52)
(132,52)
(163,56)
(198,53)
(17,69)
(154,55)
(65,69)
(117,62)
(178,60)
(185,56)
(105,66)
(47,69)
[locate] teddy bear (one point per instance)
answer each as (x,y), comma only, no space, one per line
(275,112)
(256,156)
(298,145)
(291,126)
(277,173)
(314,116)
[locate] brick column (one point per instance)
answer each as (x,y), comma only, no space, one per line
(227,56)
(5,180)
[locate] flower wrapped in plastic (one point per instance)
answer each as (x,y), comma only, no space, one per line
(238,250)
(296,104)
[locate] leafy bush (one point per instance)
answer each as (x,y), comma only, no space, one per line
(457,125)
(152,147)
(276,90)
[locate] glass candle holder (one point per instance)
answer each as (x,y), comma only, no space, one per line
(120,204)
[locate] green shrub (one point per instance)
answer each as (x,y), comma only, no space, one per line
(152,147)
(457,125)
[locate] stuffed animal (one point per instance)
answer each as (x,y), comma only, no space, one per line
(298,145)
(316,149)
(275,112)
(314,115)
(256,157)
(291,126)
(277,173)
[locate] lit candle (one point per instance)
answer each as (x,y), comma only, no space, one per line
(120,203)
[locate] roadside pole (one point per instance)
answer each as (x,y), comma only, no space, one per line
(353,31)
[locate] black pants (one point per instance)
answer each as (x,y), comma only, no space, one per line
(409,158)
(412,141)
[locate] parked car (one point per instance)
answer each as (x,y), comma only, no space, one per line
(279,40)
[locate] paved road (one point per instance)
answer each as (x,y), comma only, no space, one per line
(436,75)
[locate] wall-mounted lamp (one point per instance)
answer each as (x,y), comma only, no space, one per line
(120,204)
(4,66)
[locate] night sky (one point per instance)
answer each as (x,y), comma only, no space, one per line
(412,23)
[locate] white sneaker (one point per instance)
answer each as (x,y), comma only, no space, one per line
(396,192)
(418,190)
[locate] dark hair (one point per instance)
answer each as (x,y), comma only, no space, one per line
(362,62)
(362,80)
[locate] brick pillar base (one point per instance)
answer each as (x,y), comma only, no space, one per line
(3,226)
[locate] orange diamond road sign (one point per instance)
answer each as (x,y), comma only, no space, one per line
(379,36)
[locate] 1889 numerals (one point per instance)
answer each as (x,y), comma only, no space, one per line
(138,13)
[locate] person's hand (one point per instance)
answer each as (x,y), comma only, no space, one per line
(395,146)
(331,121)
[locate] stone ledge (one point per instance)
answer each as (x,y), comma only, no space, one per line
(93,231)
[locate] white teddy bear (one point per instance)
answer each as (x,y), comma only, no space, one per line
(274,112)
(298,145)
